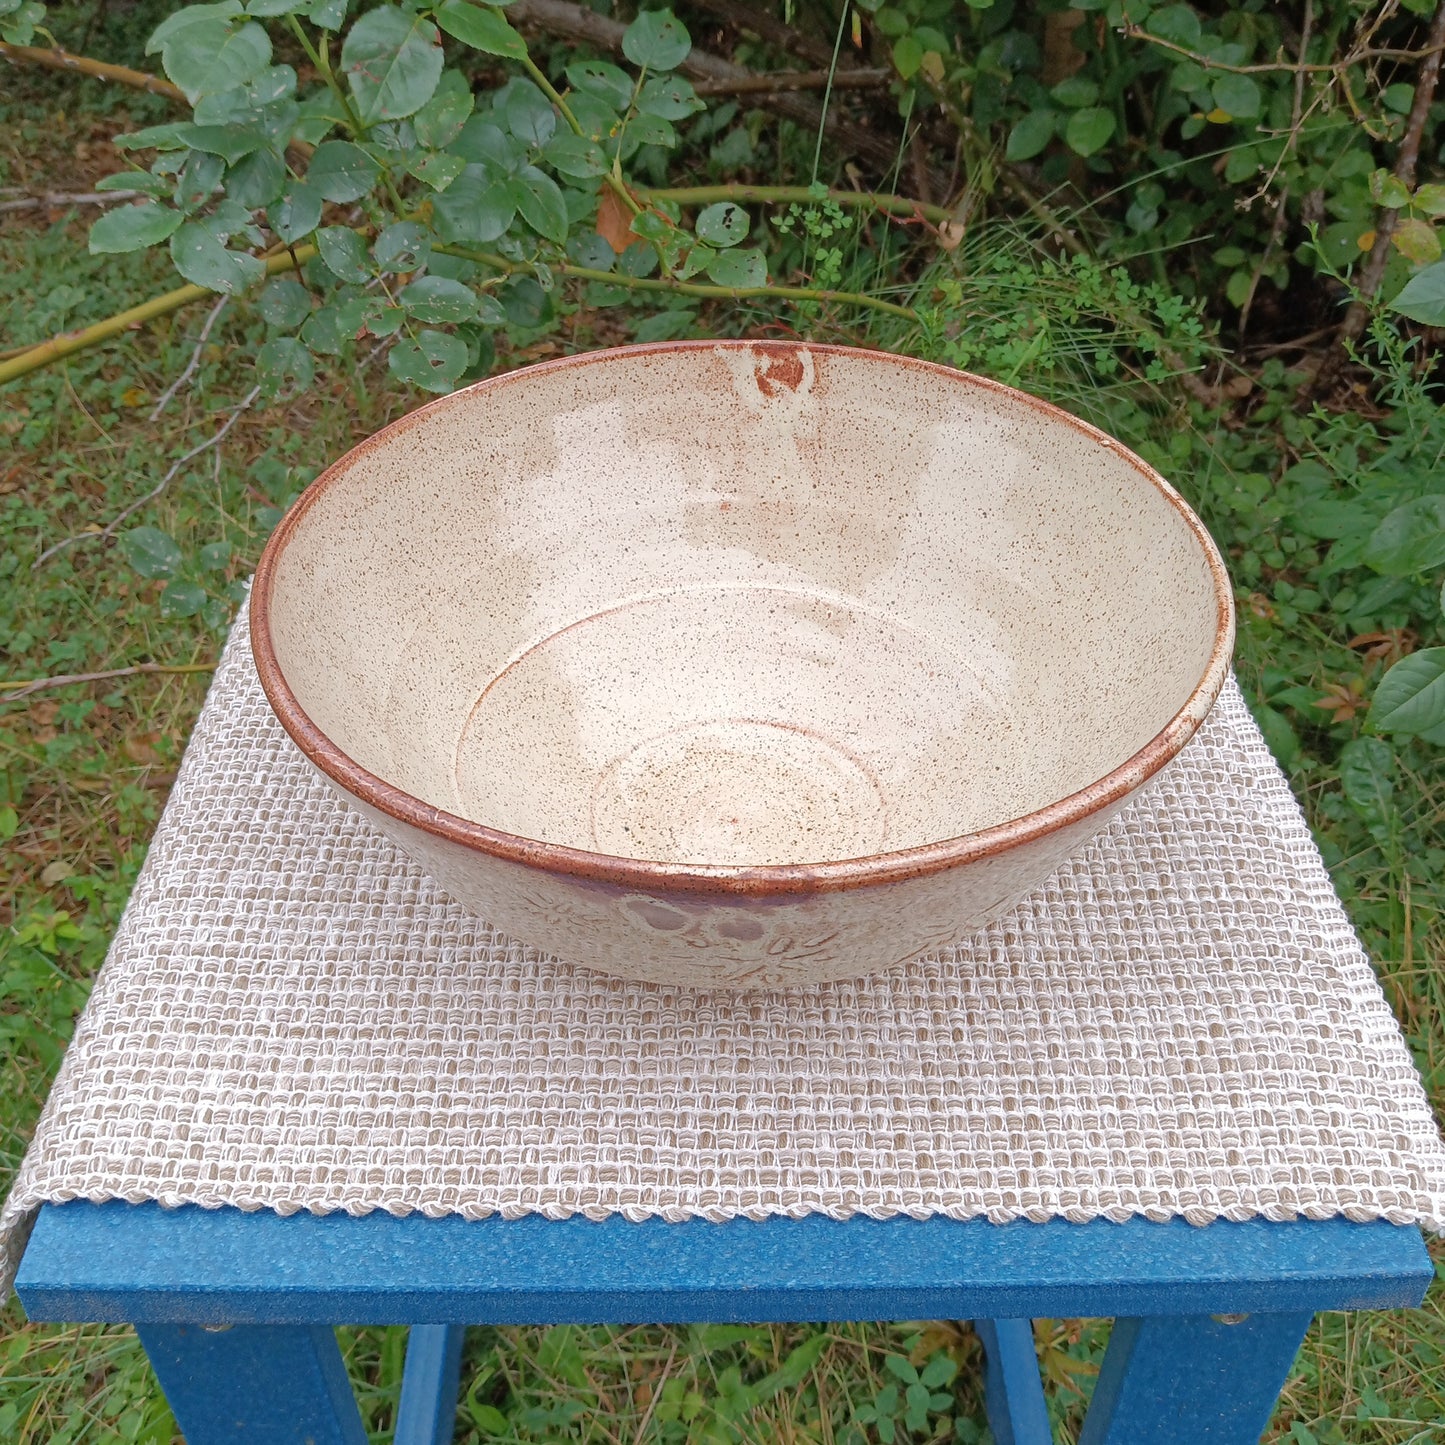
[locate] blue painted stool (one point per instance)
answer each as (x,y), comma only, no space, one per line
(235,1309)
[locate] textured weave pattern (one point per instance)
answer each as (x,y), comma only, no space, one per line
(1181,1021)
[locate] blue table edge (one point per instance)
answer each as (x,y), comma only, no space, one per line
(143,1263)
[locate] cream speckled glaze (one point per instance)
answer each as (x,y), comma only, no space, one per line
(740,663)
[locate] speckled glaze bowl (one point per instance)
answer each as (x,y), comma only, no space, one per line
(740,664)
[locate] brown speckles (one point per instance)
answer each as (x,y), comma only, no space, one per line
(740,663)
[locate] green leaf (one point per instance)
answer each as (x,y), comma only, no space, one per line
(669,97)
(133,228)
(572,156)
(393,61)
(214,557)
(1411,695)
(435,298)
(481,29)
(256,180)
(608,82)
(209,57)
(474,208)
(1422,298)
(657,39)
(1281,737)
(284,367)
(1178,23)
(187,16)
(297,213)
(529,114)
(198,179)
(939,1371)
(1089,130)
(1410,540)
(402,246)
(345,254)
(724,224)
(182,599)
(487,1418)
(907,56)
(539,199)
(230,142)
(440,120)
(170,137)
(1416,240)
(151,552)
(134,181)
(284,304)
(342,172)
(1430,199)
(433,361)
(9,823)
(1031,135)
(436,168)
(1075,92)
(739,268)
(329,330)
(899,1367)
(1237,96)
(328,14)
(1367,767)
(203,259)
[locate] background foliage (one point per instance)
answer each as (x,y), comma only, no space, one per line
(1163,216)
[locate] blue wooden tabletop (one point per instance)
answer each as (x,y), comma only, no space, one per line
(142,1263)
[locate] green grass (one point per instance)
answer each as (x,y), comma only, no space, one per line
(85,771)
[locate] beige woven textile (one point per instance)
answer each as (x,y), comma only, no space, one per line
(1179,1022)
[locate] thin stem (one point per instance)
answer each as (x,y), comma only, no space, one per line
(1334,67)
(557,99)
(828,90)
(687,288)
(69,342)
(14,688)
(781,195)
(111,527)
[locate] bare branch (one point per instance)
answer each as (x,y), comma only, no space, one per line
(195,360)
(70,679)
(781,80)
(110,528)
(55,200)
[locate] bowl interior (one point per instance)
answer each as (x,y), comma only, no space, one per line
(740,604)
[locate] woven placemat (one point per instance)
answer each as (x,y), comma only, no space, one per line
(1179,1022)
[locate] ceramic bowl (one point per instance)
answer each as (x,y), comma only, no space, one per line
(743,663)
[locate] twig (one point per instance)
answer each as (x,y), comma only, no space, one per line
(51,200)
(903,206)
(684,288)
(23,687)
(781,80)
(1333,67)
(195,360)
(58,59)
(109,530)
(68,342)
(656,1395)
(1406,161)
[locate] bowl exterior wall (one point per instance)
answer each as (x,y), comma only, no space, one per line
(703,941)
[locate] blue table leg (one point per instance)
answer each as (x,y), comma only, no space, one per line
(242,1385)
(1013,1392)
(427,1414)
(1199,1378)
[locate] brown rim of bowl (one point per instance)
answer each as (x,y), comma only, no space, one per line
(733,879)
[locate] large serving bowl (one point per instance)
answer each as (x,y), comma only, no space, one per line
(724,664)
